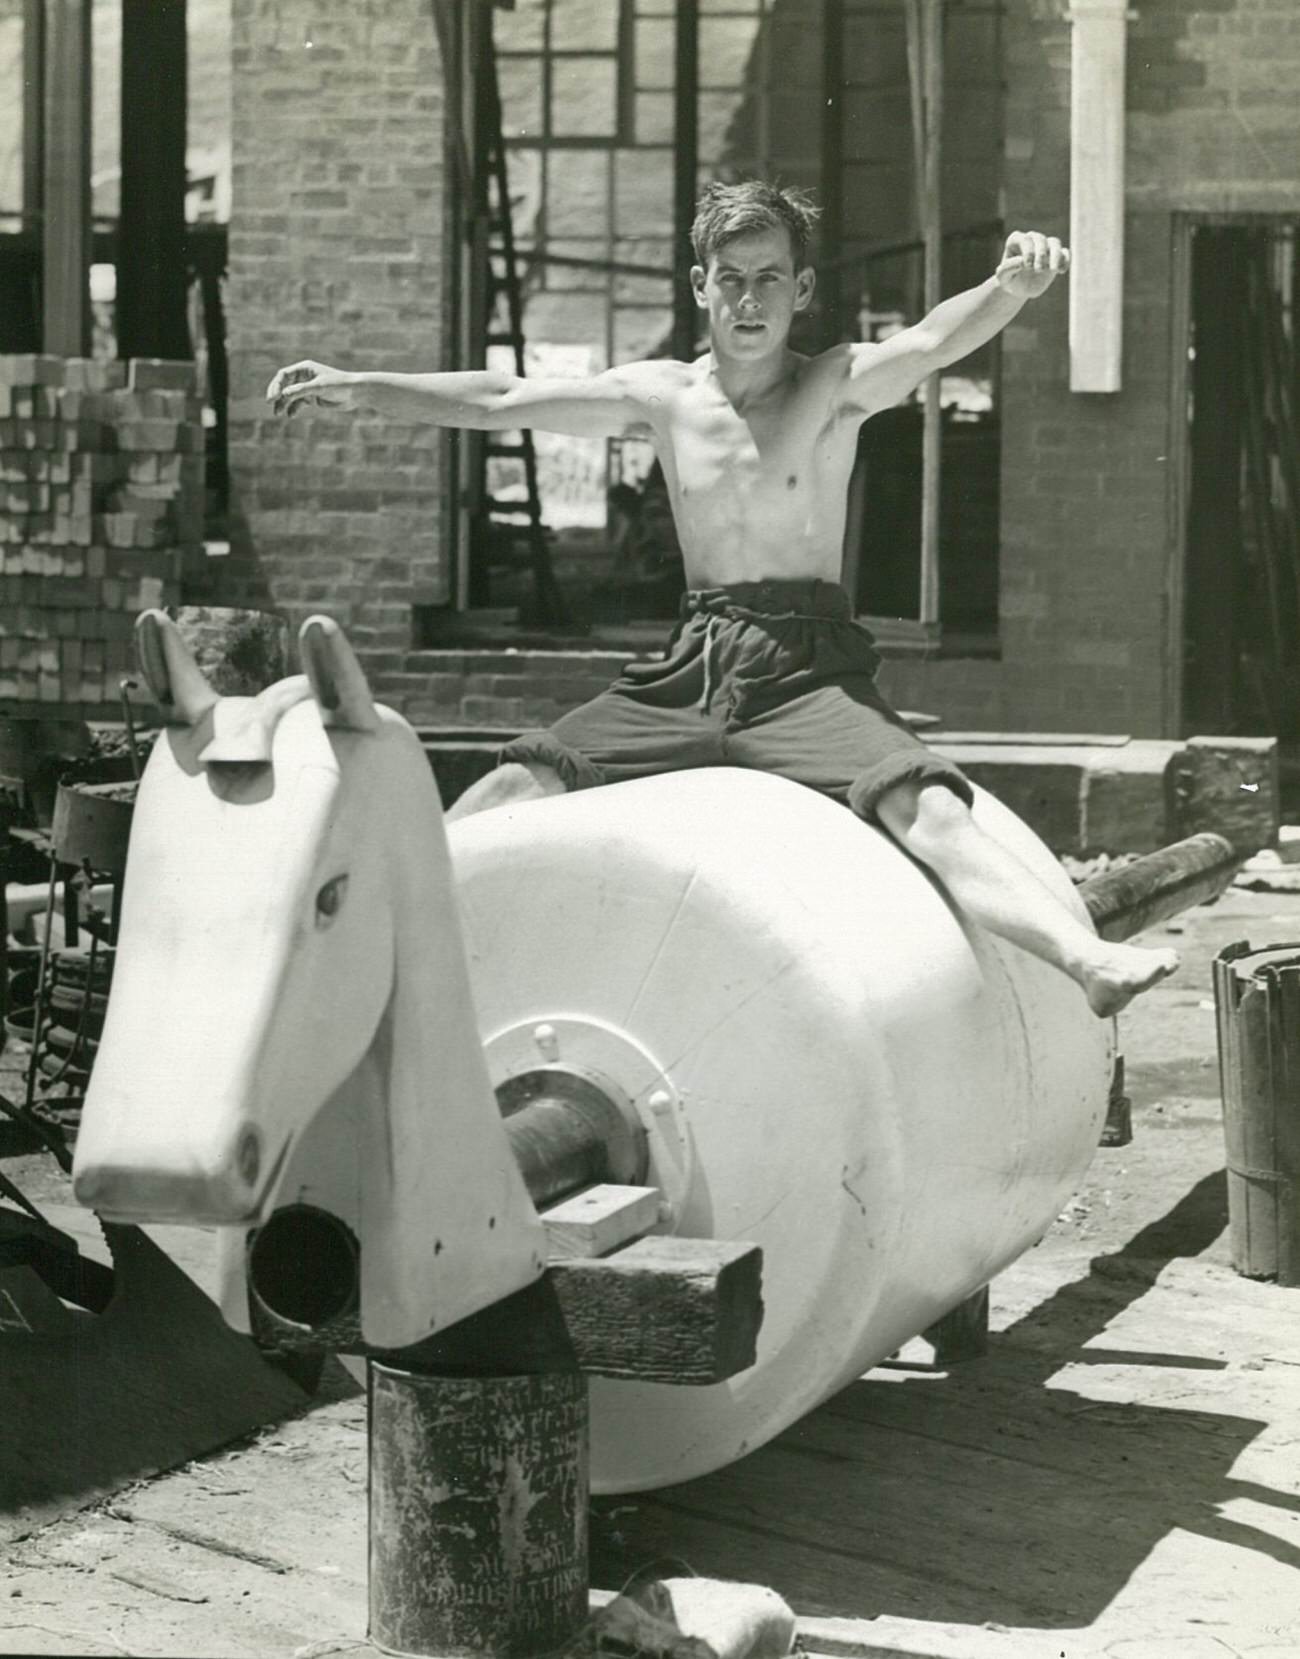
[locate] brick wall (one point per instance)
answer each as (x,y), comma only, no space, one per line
(338,252)
(504,690)
(101,480)
(1089,537)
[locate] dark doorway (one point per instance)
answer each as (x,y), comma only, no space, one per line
(1241,628)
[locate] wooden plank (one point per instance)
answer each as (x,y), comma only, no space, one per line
(66,236)
(666,1310)
(594,1222)
(1098,51)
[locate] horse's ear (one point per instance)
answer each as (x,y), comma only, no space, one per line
(335,674)
(173,676)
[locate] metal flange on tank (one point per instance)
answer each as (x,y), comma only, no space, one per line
(567,1052)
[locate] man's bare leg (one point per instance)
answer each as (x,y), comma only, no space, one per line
(994,888)
(507,786)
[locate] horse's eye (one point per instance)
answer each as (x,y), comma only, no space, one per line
(329,901)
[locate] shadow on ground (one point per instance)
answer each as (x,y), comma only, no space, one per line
(983,1495)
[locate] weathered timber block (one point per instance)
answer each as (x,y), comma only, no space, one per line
(1230,785)
(1128,798)
(1134,896)
(598,1220)
(665,1309)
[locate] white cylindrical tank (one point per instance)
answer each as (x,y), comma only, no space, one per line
(828,1060)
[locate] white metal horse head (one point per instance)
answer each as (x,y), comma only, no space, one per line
(291,1019)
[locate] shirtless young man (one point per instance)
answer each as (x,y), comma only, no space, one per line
(767,668)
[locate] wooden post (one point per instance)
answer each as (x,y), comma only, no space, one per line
(66,204)
(832,171)
(925,21)
(151,255)
(1097,193)
(686,88)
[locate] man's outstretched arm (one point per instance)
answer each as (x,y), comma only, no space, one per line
(608,405)
(884,373)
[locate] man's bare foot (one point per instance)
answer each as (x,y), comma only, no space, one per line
(1118,973)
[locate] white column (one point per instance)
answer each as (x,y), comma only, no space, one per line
(1097,194)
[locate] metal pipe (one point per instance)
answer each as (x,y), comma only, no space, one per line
(567,1130)
(304,1278)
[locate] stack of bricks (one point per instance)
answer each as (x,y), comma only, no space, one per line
(101,483)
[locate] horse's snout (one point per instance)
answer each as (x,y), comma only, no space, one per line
(171,1183)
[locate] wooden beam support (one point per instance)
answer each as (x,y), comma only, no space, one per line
(668,1310)
(66,202)
(151,315)
(686,99)
(1098,52)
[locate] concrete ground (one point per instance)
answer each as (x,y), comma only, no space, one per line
(1120,1477)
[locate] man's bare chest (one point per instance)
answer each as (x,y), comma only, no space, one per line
(776,448)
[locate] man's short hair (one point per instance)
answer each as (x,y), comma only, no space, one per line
(728,210)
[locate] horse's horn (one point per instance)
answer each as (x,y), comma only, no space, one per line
(335,674)
(173,676)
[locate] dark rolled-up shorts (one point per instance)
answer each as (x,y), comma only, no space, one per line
(772,675)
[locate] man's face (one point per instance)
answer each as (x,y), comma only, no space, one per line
(751,292)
